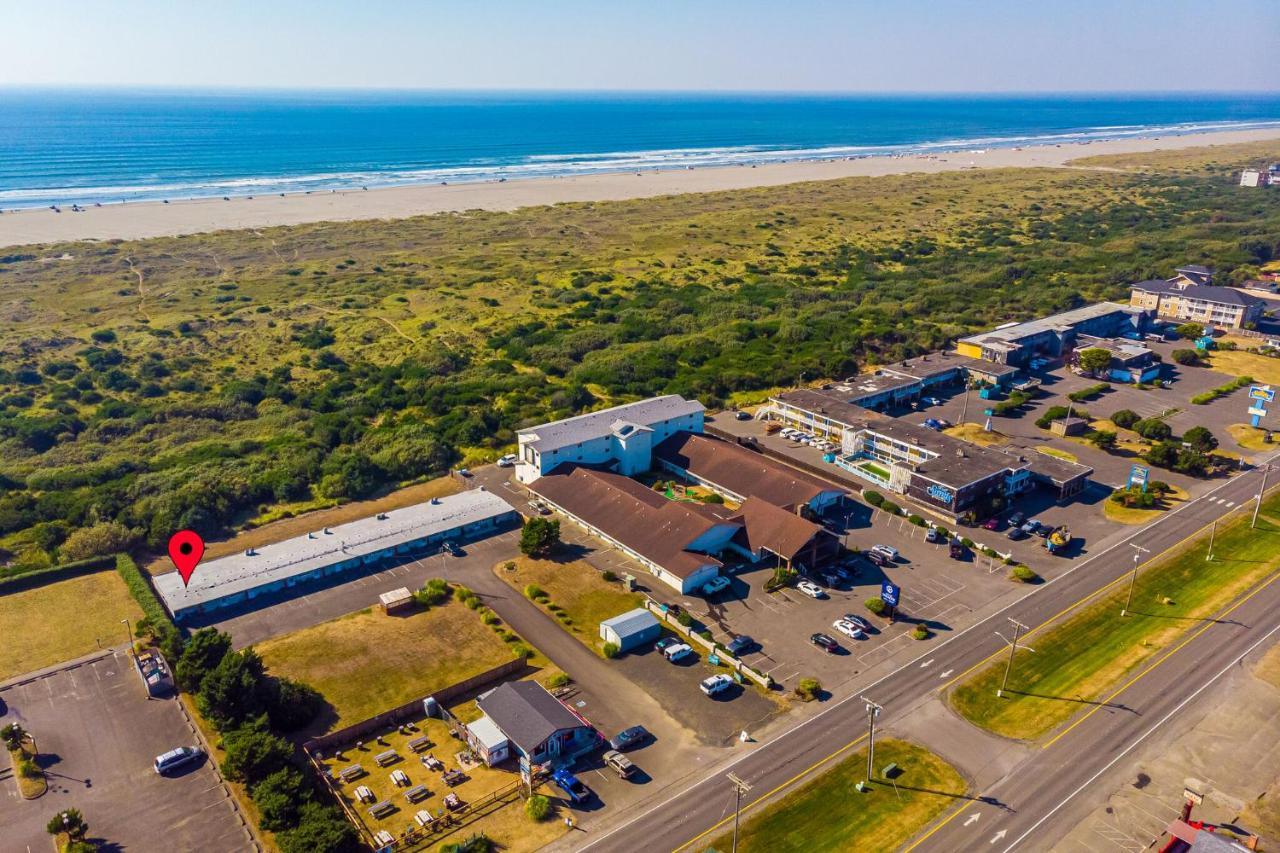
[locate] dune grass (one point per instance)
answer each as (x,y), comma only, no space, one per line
(368,662)
(828,814)
(975,434)
(62,620)
(1078,661)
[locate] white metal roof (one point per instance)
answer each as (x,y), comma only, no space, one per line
(631,622)
(552,436)
(301,554)
(486,731)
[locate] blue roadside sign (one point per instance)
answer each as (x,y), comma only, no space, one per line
(889,593)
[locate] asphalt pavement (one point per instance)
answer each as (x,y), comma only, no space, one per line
(677,819)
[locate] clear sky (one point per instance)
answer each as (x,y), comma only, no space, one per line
(855,45)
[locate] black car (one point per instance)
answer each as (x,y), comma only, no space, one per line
(630,738)
(739,644)
(453,549)
(1016,519)
(957,551)
(1017,533)
(742,416)
(827,644)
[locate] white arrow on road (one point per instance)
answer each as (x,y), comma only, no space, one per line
(946,673)
(926,663)
(999,835)
(973,818)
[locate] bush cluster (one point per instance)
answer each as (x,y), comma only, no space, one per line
(1222,390)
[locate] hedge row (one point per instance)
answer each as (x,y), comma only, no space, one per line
(52,574)
(1089,393)
(1222,390)
(142,592)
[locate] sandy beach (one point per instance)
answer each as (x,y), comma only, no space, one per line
(192,216)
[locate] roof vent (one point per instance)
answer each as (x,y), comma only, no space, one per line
(382,516)
(328,532)
(249,552)
(960,452)
(311,536)
(435,501)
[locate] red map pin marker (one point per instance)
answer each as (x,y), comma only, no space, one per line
(186,549)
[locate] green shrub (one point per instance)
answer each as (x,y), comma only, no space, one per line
(891,508)
(1125,418)
(610,650)
(872,497)
(920,633)
(560,679)
(1089,393)
(916,520)
(537,807)
(473,602)
(433,592)
(706,635)
(875,605)
(808,689)
(520,650)
(609,576)
(966,541)
(533,592)
(1023,574)
(166,634)
(490,618)
(684,618)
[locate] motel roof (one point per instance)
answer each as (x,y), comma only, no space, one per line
(1052,468)
(1013,332)
(772,528)
(280,561)
(1207,292)
(639,518)
(740,471)
(552,436)
(526,713)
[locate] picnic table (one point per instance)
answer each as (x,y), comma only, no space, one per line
(363,794)
(382,759)
(452,803)
(454,777)
(423,817)
(417,792)
(420,743)
(384,837)
(355,771)
(432,762)
(400,778)
(382,809)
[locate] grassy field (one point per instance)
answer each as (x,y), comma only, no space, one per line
(221,380)
(1250,438)
(1135,515)
(62,620)
(580,598)
(1059,454)
(368,662)
(827,814)
(975,434)
(1264,369)
(1079,660)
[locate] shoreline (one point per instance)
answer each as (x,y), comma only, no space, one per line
(144,219)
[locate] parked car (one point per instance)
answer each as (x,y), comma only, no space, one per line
(827,644)
(573,787)
(716,584)
(992,523)
(1016,519)
(811,589)
(540,508)
(887,551)
(933,401)
(739,644)
(630,738)
(508,460)
(933,534)
(879,559)
(677,653)
(844,626)
(957,551)
(463,472)
(858,620)
(1016,534)
(946,424)
(742,416)
(1031,526)
(175,758)
(933,424)
(1041,529)
(452,549)
(619,763)
(713,684)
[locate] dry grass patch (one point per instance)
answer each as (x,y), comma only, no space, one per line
(1135,515)
(975,434)
(1250,438)
(63,620)
(1058,454)
(368,662)
(1263,369)
(1268,668)
(580,597)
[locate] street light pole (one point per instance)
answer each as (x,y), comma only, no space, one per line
(1213,534)
(1262,488)
(128,633)
(1013,650)
(1133,578)
(873,711)
(740,787)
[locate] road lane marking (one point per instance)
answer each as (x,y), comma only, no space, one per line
(973,818)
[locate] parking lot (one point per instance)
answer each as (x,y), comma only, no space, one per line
(98,734)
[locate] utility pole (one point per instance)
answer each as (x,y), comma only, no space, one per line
(965,410)
(873,711)
(1213,534)
(128,632)
(1261,489)
(1133,578)
(1018,627)
(740,787)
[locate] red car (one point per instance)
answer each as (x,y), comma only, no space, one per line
(992,523)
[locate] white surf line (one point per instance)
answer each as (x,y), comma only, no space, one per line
(1177,709)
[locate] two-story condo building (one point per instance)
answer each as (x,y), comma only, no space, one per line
(1190,297)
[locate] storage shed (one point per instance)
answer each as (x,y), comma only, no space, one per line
(488,740)
(396,600)
(631,629)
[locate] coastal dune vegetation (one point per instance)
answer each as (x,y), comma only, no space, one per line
(197,382)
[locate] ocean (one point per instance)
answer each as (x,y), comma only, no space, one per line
(59,147)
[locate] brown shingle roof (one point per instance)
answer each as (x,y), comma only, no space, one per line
(740,471)
(773,528)
(641,519)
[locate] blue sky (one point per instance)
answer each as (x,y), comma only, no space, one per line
(886,45)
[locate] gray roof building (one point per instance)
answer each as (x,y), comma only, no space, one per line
(527,714)
(641,414)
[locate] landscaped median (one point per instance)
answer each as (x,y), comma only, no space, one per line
(572,592)
(1082,658)
(829,813)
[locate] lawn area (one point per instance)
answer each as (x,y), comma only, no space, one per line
(875,470)
(1264,369)
(63,620)
(368,662)
(1134,515)
(580,598)
(1058,454)
(1250,438)
(1081,659)
(502,819)
(827,814)
(975,434)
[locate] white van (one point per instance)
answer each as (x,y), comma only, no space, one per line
(175,758)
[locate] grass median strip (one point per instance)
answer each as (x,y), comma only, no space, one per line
(828,813)
(576,595)
(1077,661)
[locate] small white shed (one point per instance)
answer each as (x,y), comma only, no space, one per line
(488,741)
(631,629)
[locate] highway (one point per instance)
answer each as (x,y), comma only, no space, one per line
(682,819)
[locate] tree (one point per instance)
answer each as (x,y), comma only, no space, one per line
(13,735)
(1188,357)
(1125,418)
(234,691)
(537,807)
(808,688)
(1162,455)
(1153,429)
(1095,360)
(253,753)
(1200,439)
(204,651)
(539,537)
(1191,462)
(291,704)
(70,821)
(1103,439)
(107,537)
(320,829)
(1190,331)
(280,797)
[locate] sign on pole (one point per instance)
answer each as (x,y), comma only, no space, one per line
(1138,476)
(1259,397)
(889,593)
